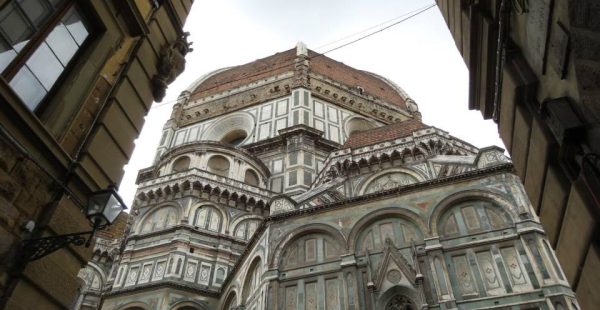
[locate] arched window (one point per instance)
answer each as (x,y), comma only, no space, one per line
(208,218)
(180,164)
(162,218)
(310,249)
(470,217)
(400,231)
(251,178)
(252,281)
(246,228)
(219,165)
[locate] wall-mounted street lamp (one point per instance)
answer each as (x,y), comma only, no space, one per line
(102,210)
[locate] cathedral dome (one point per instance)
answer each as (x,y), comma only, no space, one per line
(361,81)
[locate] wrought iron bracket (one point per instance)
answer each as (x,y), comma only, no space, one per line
(33,249)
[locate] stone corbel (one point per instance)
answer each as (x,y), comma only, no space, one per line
(171,64)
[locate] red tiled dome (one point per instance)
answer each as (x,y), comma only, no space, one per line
(284,62)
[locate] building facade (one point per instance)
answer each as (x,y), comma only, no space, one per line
(77,78)
(534,69)
(298,182)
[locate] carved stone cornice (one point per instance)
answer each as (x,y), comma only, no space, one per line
(234,99)
(198,179)
(279,141)
(200,146)
(173,284)
(346,97)
(427,141)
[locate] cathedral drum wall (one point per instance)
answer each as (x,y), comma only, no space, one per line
(263,121)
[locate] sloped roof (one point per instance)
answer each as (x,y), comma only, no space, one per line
(116,229)
(380,134)
(284,62)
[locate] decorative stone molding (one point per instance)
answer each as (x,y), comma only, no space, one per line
(428,142)
(282,204)
(199,179)
(343,96)
(235,99)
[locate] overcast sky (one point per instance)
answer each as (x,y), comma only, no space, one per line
(418,54)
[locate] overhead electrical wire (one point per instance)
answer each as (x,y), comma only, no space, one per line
(376,26)
(287,63)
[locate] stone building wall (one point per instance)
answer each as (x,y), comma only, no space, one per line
(71,136)
(534,70)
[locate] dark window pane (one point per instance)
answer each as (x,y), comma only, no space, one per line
(14,26)
(28,88)
(45,66)
(62,44)
(307,177)
(37,11)
(7,54)
(292,178)
(75,25)
(56,3)
(308,159)
(293,158)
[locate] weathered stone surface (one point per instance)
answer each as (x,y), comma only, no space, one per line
(587,288)
(332,217)
(576,231)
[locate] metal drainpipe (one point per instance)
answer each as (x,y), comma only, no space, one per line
(503,24)
(19,266)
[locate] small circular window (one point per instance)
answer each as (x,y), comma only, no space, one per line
(235,137)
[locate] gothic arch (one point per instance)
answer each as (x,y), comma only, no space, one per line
(176,207)
(246,219)
(231,299)
(496,200)
(409,293)
(372,217)
(250,278)
(94,271)
(362,186)
(224,217)
(301,231)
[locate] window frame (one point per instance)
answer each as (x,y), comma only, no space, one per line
(91,23)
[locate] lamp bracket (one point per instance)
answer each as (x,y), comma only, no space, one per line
(33,249)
